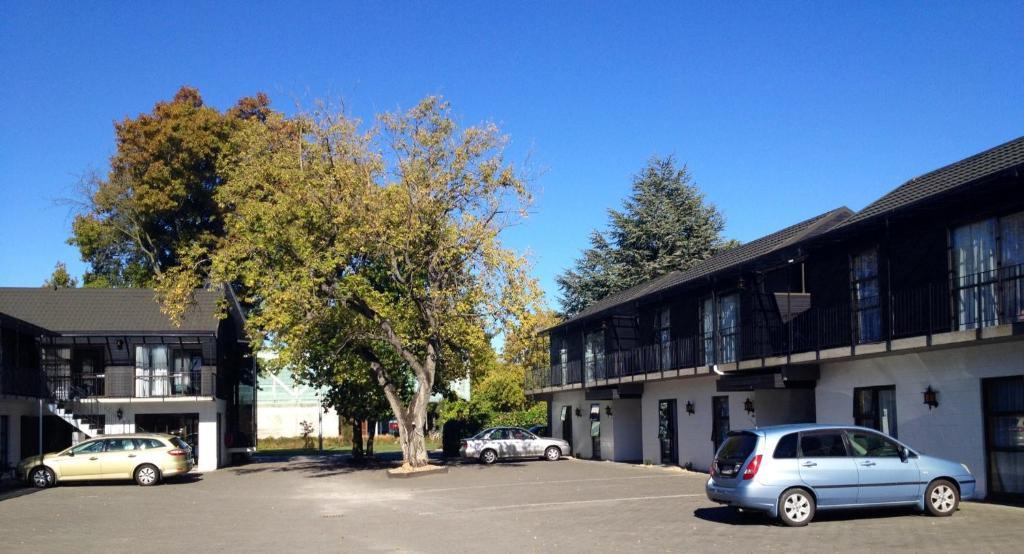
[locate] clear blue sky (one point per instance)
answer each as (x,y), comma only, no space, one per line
(781,110)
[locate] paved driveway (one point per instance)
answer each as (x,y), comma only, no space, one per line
(571,506)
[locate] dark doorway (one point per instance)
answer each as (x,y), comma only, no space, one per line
(179,425)
(595,431)
(56,435)
(1004,437)
(719,420)
(87,371)
(566,416)
(667,432)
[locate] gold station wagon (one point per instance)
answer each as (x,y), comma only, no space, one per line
(145,457)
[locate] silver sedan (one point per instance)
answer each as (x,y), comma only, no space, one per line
(496,443)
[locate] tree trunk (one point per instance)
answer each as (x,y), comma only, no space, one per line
(357,439)
(411,418)
(371,432)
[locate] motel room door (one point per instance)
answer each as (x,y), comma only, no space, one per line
(1004,436)
(566,416)
(719,420)
(667,432)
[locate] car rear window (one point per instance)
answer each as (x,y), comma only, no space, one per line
(786,448)
(737,447)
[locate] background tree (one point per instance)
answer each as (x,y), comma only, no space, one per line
(158,194)
(60,278)
(665,225)
(389,238)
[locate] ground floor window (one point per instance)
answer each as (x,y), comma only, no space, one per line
(875,408)
(1004,435)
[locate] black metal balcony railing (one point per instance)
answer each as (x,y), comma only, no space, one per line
(984,300)
(140,384)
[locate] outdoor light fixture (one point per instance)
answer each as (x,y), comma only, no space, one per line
(120,414)
(931,397)
(608,410)
(579,413)
(120,344)
(689,407)
(748,405)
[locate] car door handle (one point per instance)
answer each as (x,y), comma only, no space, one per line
(131,455)
(94,458)
(809,464)
(868,464)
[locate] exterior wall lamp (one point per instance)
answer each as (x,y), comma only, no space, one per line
(931,397)
(689,407)
(120,414)
(579,413)
(608,410)
(748,406)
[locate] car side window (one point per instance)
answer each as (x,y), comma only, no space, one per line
(88,447)
(822,445)
(147,444)
(786,448)
(118,445)
(872,445)
(499,434)
(519,434)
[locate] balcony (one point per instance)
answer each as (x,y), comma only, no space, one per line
(126,382)
(977,306)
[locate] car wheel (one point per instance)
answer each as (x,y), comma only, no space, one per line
(552,453)
(147,475)
(941,498)
(42,477)
(488,456)
(796,508)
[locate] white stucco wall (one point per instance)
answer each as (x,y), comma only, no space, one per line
(207,410)
(694,431)
(955,429)
(285,421)
(626,420)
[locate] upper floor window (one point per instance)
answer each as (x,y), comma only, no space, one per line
(593,353)
(987,258)
(864,291)
(665,337)
(720,328)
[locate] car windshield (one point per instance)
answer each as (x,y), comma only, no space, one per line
(737,447)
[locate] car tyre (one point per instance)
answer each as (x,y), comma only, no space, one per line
(796,507)
(488,456)
(552,453)
(42,477)
(147,475)
(941,498)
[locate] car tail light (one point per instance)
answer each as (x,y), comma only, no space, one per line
(714,465)
(176,452)
(752,468)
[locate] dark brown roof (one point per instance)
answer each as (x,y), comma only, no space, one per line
(726,260)
(98,311)
(995,160)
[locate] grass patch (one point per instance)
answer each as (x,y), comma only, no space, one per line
(283,446)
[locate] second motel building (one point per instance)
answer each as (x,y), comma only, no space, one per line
(907,317)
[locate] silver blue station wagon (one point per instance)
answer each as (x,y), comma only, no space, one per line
(791,471)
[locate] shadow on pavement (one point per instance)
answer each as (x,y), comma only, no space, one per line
(329,465)
(731,516)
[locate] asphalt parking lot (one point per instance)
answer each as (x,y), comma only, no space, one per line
(570,506)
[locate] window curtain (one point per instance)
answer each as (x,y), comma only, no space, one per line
(728,325)
(187,372)
(1011,232)
(151,371)
(563,362)
(665,337)
(974,264)
(708,330)
(866,296)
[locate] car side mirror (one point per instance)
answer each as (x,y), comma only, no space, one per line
(71,452)
(904,455)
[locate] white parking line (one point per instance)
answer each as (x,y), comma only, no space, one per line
(564,503)
(554,482)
